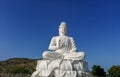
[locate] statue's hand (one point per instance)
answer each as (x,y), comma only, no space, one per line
(58,43)
(59,46)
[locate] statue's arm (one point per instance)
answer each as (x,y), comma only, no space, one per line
(53,45)
(73,49)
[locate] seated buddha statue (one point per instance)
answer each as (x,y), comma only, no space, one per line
(63,46)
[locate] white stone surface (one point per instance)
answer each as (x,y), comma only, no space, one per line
(62,60)
(63,47)
(61,68)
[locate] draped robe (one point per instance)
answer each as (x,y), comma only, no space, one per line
(67,49)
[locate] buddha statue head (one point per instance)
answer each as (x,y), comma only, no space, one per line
(62,28)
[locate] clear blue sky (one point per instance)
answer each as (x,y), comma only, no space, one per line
(26,28)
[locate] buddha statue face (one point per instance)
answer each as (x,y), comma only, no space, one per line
(62,28)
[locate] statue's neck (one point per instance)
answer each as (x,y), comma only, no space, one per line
(61,34)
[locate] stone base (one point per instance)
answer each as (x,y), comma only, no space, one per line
(61,68)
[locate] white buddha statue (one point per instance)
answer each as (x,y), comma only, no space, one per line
(63,47)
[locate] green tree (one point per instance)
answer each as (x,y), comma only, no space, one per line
(114,71)
(98,71)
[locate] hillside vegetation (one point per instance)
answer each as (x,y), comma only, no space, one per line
(18,65)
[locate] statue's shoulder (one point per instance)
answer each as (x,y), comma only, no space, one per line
(69,37)
(54,37)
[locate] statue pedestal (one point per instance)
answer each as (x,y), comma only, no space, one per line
(61,68)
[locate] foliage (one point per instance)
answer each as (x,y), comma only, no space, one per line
(114,71)
(18,65)
(98,71)
(19,69)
